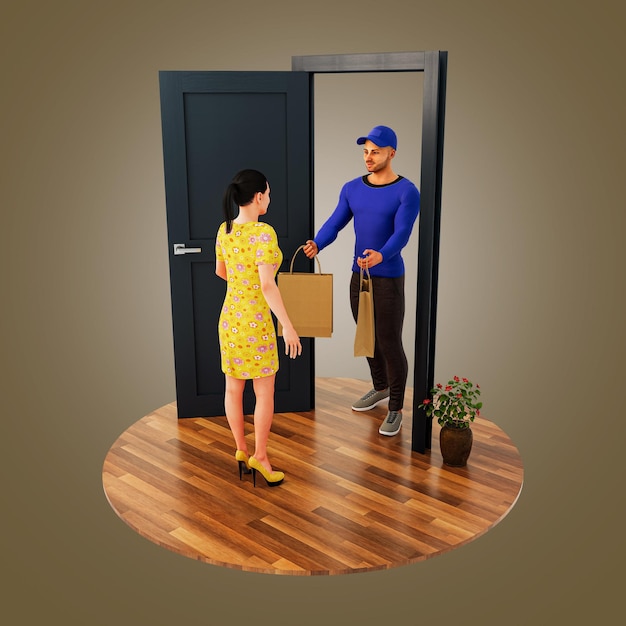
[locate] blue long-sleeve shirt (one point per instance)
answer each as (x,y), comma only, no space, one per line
(384,216)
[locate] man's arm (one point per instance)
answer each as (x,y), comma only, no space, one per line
(340,217)
(403,223)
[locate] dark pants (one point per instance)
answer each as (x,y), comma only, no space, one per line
(389,367)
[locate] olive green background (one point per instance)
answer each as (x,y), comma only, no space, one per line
(531,300)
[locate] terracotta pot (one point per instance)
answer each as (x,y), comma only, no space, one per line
(456,445)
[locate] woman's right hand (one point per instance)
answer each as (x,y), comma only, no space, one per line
(293,347)
(310,248)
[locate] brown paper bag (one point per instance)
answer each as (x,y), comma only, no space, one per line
(308,298)
(365,337)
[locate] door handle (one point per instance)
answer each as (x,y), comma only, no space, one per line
(179,248)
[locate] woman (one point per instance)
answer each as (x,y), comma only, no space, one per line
(247,258)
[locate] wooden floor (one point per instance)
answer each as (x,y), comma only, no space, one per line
(352,500)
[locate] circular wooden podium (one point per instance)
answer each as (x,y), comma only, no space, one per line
(352,500)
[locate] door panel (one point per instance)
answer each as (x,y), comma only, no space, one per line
(214,124)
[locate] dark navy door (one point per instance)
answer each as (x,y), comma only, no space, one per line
(214,124)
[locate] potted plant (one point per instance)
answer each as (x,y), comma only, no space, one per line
(455,406)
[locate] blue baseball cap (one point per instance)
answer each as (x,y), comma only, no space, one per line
(382,136)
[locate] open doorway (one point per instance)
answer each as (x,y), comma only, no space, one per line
(347,106)
(433,65)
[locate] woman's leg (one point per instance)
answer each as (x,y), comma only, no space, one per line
(263,416)
(233,404)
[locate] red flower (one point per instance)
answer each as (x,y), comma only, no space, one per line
(465,380)
(427,401)
(459,395)
(439,385)
(448,388)
(456,379)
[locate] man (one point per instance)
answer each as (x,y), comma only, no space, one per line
(384,207)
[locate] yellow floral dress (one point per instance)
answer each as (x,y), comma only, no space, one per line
(246,328)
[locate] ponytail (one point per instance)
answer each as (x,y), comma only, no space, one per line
(228,206)
(240,192)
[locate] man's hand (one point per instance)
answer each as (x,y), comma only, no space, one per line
(370,258)
(310,248)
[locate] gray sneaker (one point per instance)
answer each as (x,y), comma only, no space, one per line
(370,400)
(392,423)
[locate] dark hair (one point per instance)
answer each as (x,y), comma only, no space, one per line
(240,192)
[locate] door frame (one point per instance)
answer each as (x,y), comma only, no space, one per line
(434,65)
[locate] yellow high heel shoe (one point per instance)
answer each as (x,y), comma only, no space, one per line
(242,459)
(271,478)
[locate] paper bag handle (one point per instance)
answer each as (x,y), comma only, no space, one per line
(293,258)
(367,269)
